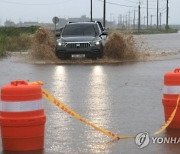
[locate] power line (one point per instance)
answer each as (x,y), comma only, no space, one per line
(123,5)
(131,1)
(117,4)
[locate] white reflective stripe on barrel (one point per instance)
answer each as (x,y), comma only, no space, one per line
(171,89)
(21,106)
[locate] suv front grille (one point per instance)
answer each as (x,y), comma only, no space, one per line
(77,45)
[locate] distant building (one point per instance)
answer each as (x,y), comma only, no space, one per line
(47,25)
(81,19)
(9,23)
(31,23)
(111,24)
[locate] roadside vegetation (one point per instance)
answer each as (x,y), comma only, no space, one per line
(15,39)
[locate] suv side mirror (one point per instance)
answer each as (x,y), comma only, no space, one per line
(104,33)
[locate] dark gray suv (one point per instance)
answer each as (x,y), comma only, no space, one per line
(81,39)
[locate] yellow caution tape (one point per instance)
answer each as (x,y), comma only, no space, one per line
(166,124)
(52,99)
(65,108)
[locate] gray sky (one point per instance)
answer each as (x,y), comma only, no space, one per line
(44,10)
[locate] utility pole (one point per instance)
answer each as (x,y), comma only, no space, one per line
(104,14)
(139,17)
(91,10)
(126,22)
(144,21)
(167,15)
(121,23)
(118,21)
(151,20)
(129,20)
(147,13)
(160,19)
(157,14)
(134,21)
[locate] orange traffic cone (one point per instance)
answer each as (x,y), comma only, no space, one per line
(22,117)
(170,96)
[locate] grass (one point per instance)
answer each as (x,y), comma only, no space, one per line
(15,39)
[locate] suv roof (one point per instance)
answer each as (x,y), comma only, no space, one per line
(89,22)
(81,23)
(84,22)
(81,29)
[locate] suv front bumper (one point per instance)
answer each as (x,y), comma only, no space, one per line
(79,48)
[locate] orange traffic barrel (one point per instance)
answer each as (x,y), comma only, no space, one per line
(170,96)
(22,116)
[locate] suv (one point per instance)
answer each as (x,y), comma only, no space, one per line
(81,39)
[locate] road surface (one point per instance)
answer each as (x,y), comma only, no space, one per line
(124,98)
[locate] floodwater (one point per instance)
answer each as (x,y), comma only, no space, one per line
(161,42)
(123,98)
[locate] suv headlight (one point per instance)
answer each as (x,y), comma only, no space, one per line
(96,42)
(62,44)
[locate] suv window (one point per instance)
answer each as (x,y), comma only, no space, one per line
(80,30)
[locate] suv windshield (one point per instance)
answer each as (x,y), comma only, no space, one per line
(80,30)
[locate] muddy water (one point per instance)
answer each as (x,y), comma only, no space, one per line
(124,98)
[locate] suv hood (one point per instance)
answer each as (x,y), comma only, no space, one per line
(78,39)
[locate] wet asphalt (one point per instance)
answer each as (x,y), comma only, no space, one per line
(123,98)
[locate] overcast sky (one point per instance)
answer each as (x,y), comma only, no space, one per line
(44,10)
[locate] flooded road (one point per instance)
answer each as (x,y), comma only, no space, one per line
(123,98)
(161,42)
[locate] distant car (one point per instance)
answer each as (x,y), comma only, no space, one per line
(81,39)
